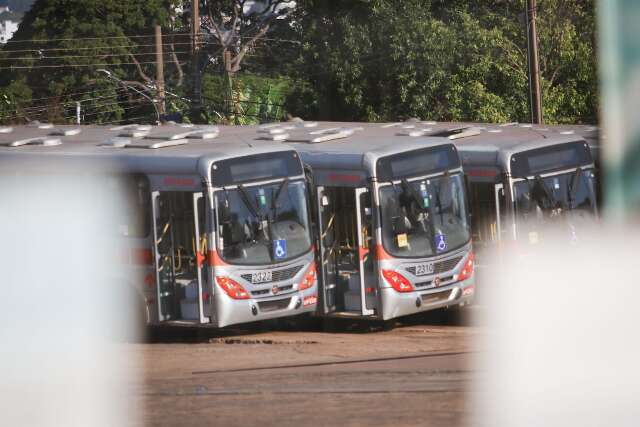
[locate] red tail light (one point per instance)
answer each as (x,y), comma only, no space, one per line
(397,281)
(309,278)
(467,270)
(232,288)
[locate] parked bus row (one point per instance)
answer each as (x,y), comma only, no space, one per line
(228,225)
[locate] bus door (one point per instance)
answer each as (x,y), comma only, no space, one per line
(368,288)
(179,238)
(326,252)
(502,228)
(200,242)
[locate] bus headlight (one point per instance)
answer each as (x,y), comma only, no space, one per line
(232,288)
(397,281)
(309,277)
(467,270)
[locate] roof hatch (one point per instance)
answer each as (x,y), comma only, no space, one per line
(45,141)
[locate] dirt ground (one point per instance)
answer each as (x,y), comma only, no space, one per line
(416,374)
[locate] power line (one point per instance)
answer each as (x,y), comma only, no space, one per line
(96,47)
(22,67)
(38,58)
(95,38)
(70,94)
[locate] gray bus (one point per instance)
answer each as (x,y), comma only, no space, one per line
(220,230)
(394,236)
(525,180)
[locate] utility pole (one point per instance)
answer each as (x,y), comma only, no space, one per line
(195,55)
(534,65)
(160,71)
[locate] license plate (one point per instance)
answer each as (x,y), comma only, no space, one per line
(261,277)
(424,269)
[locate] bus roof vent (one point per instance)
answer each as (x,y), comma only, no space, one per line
(312,137)
(154,145)
(280,128)
(44,141)
(175,133)
(6,129)
(132,131)
(390,125)
(116,142)
(452,133)
(567,132)
(66,132)
(504,125)
(325,135)
(410,131)
(39,125)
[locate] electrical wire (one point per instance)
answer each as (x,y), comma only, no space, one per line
(97,38)
(38,58)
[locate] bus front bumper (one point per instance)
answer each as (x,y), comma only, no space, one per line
(233,312)
(397,304)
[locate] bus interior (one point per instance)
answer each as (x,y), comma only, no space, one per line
(180,244)
(346,233)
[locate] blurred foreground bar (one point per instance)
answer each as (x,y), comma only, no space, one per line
(619,61)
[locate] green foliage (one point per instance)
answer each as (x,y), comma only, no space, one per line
(255,99)
(349,60)
(10,98)
(442,60)
(60,45)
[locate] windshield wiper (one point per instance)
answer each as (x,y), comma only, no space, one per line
(244,196)
(276,197)
(547,193)
(573,186)
(274,210)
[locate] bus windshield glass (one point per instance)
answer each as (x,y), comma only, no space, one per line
(263,224)
(424,217)
(563,203)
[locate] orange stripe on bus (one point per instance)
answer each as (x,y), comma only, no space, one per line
(381,253)
(141,256)
(214,259)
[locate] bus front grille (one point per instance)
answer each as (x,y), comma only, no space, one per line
(277,275)
(444,281)
(435,297)
(440,266)
(279,304)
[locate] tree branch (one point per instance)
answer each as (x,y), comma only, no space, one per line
(235,63)
(178,66)
(139,67)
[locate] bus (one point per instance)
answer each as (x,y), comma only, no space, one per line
(220,230)
(528,183)
(393,231)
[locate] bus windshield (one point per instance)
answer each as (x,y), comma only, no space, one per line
(563,203)
(263,224)
(424,217)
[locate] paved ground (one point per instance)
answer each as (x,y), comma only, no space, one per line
(416,374)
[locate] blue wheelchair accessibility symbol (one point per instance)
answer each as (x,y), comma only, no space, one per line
(441,243)
(280,249)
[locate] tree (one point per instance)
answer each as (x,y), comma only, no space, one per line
(60,45)
(236,26)
(443,60)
